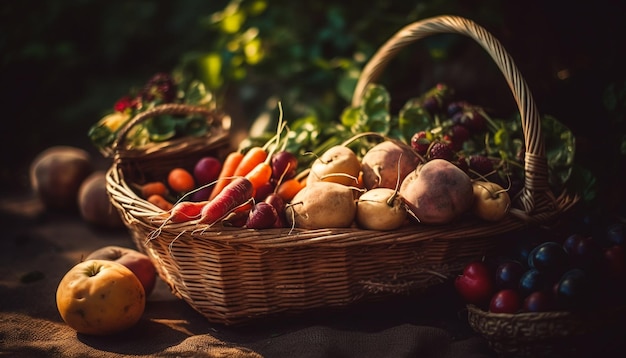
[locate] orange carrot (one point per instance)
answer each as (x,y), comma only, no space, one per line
(256,165)
(228,170)
(155,187)
(260,174)
(160,202)
(289,188)
(250,160)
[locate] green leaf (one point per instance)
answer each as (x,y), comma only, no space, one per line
(413,118)
(376,100)
(194,126)
(350,116)
(161,128)
(101,136)
(560,148)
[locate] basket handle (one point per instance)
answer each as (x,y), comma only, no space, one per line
(536,191)
(169,108)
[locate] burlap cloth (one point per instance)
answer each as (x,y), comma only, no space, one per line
(37,248)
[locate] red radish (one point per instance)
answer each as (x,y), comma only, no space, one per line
(284,165)
(279,204)
(263,191)
(262,216)
(206,170)
(236,193)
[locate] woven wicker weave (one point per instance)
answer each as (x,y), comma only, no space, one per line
(231,275)
(542,334)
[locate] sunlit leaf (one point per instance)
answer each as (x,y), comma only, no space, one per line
(211,70)
(350,116)
(233,19)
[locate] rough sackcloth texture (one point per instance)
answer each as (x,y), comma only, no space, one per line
(37,249)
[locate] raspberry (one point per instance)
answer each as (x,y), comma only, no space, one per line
(458,135)
(480,164)
(462,163)
(441,150)
(420,142)
(472,118)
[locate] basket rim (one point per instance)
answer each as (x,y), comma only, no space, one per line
(219,126)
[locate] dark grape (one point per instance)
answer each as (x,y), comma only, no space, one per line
(550,257)
(583,251)
(508,274)
(456,107)
(534,280)
(615,234)
(573,291)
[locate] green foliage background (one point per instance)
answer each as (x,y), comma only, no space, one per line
(64,63)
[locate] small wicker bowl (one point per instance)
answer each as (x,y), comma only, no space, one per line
(544,334)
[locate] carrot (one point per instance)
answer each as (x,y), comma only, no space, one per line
(250,160)
(289,188)
(228,170)
(181,180)
(238,192)
(155,187)
(260,174)
(160,202)
(186,211)
(261,171)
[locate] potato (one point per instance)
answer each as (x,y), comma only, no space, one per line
(94,204)
(382,163)
(322,205)
(56,175)
(338,164)
(380,209)
(437,192)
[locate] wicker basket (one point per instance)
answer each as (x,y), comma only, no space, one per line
(232,275)
(546,334)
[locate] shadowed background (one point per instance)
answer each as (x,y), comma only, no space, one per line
(64,64)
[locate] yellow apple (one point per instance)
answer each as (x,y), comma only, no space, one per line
(491,201)
(100,297)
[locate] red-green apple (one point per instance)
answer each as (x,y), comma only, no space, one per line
(139,263)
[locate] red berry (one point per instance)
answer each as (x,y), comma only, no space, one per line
(505,301)
(476,283)
(420,142)
(539,301)
(481,164)
(441,150)
(458,135)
